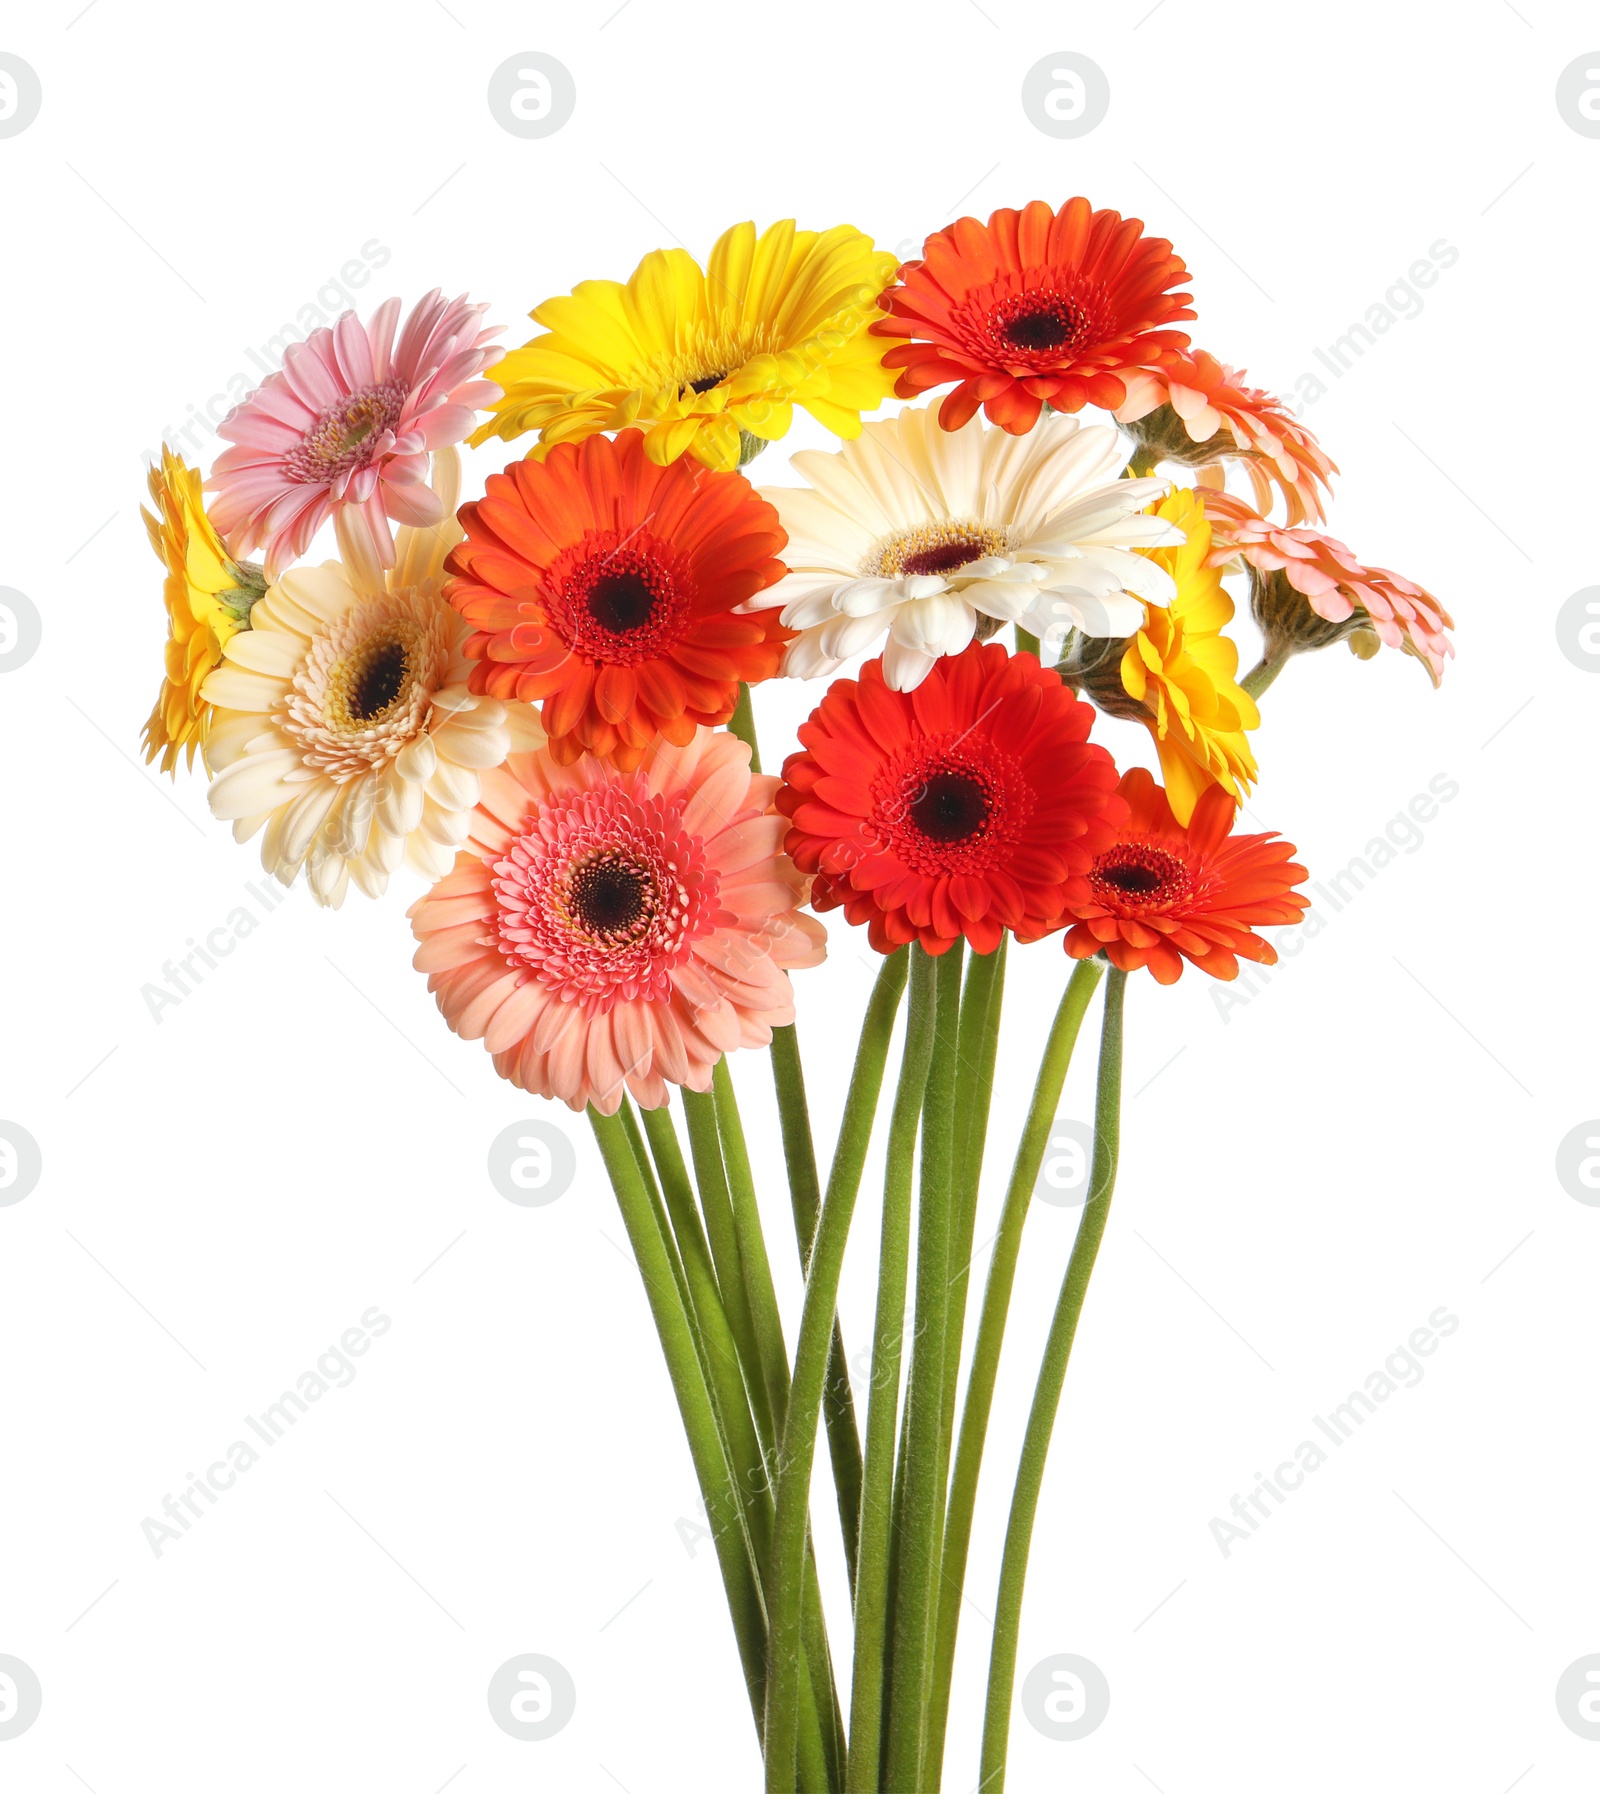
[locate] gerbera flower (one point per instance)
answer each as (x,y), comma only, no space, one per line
(1163,893)
(933,535)
(604,585)
(344,726)
(959,809)
(606,929)
(347,423)
(707,363)
(209,595)
(1035,306)
(1197,411)
(1180,671)
(1308,590)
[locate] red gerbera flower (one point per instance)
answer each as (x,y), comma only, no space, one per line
(604,585)
(1034,306)
(1163,893)
(960,808)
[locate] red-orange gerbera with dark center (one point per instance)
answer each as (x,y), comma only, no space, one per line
(1163,893)
(605,585)
(960,808)
(1034,306)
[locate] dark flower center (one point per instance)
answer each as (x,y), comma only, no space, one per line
(949,806)
(379,682)
(1046,325)
(609,896)
(619,599)
(1140,876)
(621,602)
(944,558)
(706,382)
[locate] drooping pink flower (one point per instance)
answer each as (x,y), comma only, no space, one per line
(1331,580)
(349,421)
(607,930)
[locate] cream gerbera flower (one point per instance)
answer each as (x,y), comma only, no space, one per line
(342,721)
(935,535)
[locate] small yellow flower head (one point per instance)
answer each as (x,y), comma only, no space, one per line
(1183,671)
(707,362)
(208,596)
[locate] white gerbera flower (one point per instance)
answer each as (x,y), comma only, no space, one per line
(920,531)
(343,724)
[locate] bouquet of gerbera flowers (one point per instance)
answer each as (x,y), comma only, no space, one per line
(540,701)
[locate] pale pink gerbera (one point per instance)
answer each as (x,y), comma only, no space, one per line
(348,421)
(604,929)
(1296,570)
(1199,412)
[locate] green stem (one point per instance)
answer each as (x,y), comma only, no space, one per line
(922,1515)
(1262,674)
(724,1510)
(821,1740)
(1026,643)
(812,1348)
(700,1112)
(849,1160)
(743,724)
(990,1336)
(883,1401)
(1143,461)
(1047,1394)
(759,1288)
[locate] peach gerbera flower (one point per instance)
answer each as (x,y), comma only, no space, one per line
(1035,305)
(1164,893)
(604,584)
(1197,411)
(1308,590)
(605,930)
(349,421)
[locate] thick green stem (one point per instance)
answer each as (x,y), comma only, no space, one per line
(1142,462)
(1026,643)
(922,1513)
(750,1456)
(883,1400)
(1262,674)
(838,1403)
(1047,1393)
(759,1287)
(990,1336)
(743,724)
(724,1510)
(812,1347)
(700,1112)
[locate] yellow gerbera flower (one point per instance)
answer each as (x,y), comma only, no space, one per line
(708,362)
(208,596)
(1182,669)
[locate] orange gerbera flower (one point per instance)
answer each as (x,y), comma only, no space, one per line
(1163,893)
(1034,306)
(1197,411)
(604,585)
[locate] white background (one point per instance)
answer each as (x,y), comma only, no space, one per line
(1303,1182)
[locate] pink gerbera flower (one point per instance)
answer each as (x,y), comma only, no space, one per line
(606,929)
(1296,570)
(349,420)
